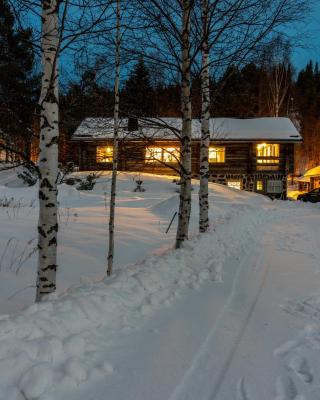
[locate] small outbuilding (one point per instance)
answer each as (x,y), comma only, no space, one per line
(310,180)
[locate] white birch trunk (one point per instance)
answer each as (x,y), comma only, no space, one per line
(186,134)
(279,84)
(48,164)
(277,90)
(115,147)
(205,129)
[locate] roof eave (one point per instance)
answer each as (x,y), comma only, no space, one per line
(293,140)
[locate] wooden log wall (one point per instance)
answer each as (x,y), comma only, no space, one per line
(240,158)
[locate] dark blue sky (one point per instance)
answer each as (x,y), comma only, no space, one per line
(309,36)
(305,48)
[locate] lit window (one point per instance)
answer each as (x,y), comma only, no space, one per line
(267,167)
(2,152)
(217,154)
(2,155)
(153,154)
(234,184)
(104,154)
(259,185)
(268,153)
(159,154)
(171,154)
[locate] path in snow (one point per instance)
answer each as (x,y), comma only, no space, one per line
(219,342)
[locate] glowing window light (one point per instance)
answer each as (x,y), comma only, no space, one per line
(268,150)
(171,155)
(153,154)
(234,184)
(217,154)
(159,154)
(104,154)
(259,186)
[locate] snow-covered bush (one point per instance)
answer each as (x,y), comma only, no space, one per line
(88,182)
(6,202)
(28,174)
(64,171)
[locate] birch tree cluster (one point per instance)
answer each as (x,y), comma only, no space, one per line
(187,41)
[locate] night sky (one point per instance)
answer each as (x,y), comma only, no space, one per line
(306,45)
(309,36)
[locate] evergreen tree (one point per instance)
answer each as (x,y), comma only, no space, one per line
(18,86)
(138,93)
(86,98)
(237,92)
(307,106)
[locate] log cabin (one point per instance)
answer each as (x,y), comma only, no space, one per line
(247,154)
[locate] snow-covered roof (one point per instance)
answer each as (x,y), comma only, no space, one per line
(312,172)
(303,179)
(223,129)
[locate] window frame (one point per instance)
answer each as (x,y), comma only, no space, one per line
(106,159)
(259,185)
(221,151)
(273,183)
(169,155)
(235,181)
(274,153)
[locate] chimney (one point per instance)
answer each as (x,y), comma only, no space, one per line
(133,124)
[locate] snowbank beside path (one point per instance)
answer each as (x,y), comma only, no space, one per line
(59,342)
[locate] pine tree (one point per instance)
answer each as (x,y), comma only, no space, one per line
(86,98)
(18,86)
(237,92)
(307,103)
(138,92)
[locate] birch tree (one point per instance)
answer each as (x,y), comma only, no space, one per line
(59,32)
(48,161)
(205,124)
(278,74)
(236,32)
(115,144)
(186,134)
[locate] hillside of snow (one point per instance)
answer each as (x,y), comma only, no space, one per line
(233,315)
(142,220)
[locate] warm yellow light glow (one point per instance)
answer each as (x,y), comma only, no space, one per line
(259,185)
(171,154)
(261,146)
(217,154)
(162,154)
(2,152)
(234,184)
(104,154)
(265,150)
(2,155)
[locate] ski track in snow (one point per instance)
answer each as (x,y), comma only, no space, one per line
(195,377)
(203,370)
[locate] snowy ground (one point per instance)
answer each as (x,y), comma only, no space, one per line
(293,192)
(235,315)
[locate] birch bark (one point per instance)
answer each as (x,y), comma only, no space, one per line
(186,134)
(115,146)
(48,161)
(205,128)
